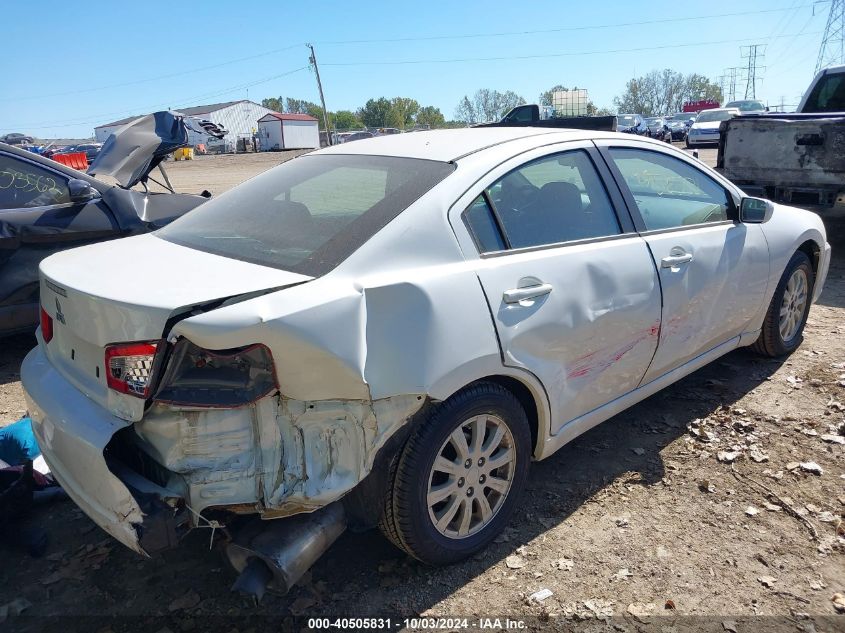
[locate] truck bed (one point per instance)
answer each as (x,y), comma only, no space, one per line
(793,158)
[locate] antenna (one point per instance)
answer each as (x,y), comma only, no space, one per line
(832,49)
(753,53)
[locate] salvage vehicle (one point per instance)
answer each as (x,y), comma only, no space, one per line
(46,207)
(796,158)
(391,331)
(748,105)
(630,123)
(705,128)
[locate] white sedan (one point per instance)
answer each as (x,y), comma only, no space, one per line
(705,128)
(390,331)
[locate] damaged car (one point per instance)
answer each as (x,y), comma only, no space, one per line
(389,331)
(47,207)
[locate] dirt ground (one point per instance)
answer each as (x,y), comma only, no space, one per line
(700,501)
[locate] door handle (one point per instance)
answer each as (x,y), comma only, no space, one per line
(515,295)
(674,260)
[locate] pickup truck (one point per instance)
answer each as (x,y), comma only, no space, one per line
(532,115)
(796,158)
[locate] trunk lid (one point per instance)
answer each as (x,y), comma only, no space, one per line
(126,291)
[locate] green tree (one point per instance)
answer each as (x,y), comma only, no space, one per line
(403,110)
(664,92)
(487,105)
(431,116)
(375,112)
(274,103)
(346,120)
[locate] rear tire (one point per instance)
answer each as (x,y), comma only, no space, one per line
(457,481)
(783,326)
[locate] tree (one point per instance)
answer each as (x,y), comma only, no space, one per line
(465,111)
(274,103)
(301,106)
(431,116)
(661,92)
(402,112)
(375,112)
(346,120)
(487,105)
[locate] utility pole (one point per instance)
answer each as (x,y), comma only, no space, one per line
(832,49)
(313,60)
(753,54)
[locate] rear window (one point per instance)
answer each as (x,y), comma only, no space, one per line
(828,95)
(309,214)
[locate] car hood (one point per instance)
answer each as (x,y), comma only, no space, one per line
(133,150)
(708,126)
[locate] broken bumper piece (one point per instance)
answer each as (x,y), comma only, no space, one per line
(73,432)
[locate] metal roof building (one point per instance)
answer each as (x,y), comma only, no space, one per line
(238,117)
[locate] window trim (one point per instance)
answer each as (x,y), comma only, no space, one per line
(604,149)
(614,197)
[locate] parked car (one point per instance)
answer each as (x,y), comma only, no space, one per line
(748,106)
(46,207)
(91,150)
(630,123)
(16,138)
(389,333)
(677,129)
(345,137)
(705,129)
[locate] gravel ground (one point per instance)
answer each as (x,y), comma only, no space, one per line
(693,503)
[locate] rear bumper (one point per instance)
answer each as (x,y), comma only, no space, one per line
(72,432)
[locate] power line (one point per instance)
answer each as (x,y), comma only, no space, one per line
(549,55)
(558,30)
(183,103)
(150,79)
(387,40)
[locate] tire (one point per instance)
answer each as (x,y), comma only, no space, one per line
(778,338)
(409,522)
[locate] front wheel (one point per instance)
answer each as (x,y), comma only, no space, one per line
(458,479)
(783,326)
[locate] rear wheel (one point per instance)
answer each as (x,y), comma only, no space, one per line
(783,326)
(458,479)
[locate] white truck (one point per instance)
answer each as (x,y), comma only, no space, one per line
(796,158)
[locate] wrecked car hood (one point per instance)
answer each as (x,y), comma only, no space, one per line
(132,151)
(127,289)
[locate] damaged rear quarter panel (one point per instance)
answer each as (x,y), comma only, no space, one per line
(357,353)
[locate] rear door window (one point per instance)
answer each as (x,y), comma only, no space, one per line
(551,200)
(828,95)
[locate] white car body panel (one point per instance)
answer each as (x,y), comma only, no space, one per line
(412,316)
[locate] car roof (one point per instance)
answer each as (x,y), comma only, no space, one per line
(449,145)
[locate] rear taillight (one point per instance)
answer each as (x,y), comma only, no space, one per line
(46,326)
(130,367)
(220,378)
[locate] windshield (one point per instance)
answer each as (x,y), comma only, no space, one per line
(747,106)
(714,115)
(828,95)
(626,119)
(309,214)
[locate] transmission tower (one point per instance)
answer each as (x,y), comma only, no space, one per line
(730,76)
(832,50)
(754,54)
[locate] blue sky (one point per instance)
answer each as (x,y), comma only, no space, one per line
(83,64)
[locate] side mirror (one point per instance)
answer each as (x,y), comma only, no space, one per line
(755,210)
(80,191)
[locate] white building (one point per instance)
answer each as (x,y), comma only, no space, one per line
(238,117)
(288,131)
